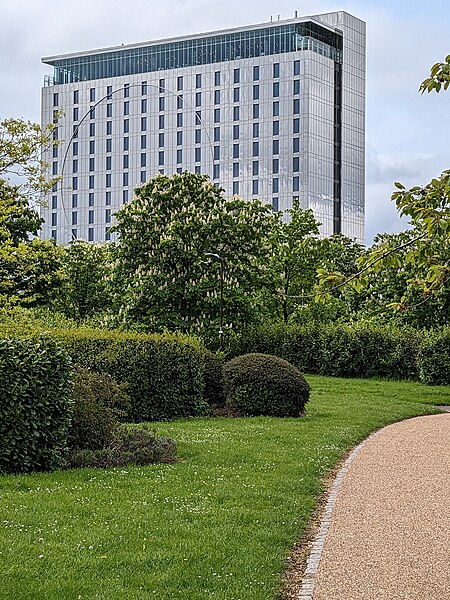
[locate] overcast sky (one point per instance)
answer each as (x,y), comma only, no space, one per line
(408,135)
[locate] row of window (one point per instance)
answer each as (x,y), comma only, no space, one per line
(180,83)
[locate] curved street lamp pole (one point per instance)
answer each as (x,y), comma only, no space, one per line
(220,259)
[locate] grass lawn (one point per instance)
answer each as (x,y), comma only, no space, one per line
(219,524)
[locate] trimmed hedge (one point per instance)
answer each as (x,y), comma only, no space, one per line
(165,374)
(434,357)
(35,405)
(260,384)
(360,350)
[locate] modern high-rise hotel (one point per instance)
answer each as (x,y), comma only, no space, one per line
(274,111)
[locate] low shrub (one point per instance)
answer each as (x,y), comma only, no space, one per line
(35,406)
(260,384)
(99,403)
(213,378)
(164,373)
(136,446)
(434,357)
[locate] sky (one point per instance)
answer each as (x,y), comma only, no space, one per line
(407,133)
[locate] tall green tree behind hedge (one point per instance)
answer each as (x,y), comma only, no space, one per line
(162,277)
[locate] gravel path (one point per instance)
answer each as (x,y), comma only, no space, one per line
(389,535)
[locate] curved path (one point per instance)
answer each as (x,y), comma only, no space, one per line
(388,536)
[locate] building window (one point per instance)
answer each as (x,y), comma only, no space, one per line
(275,204)
(55,99)
(144,88)
(256,111)
(180,82)
(217,134)
(54,219)
(143,176)
(255,130)
(275,166)
(216,153)
(235,132)
(276,70)
(198,117)
(55,151)
(54,235)
(276,128)
(256,92)
(296,145)
(107,235)
(236,113)
(108,198)
(55,134)
(108,215)
(55,167)
(162,85)
(91,129)
(126,90)
(92,164)
(179,119)
(296,107)
(256,73)
(275,185)
(296,125)
(92,112)
(143,123)
(126,125)
(109,145)
(198,154)
(75,113)
(162,103)
(255,187)
(235,188)
(179,138)
(92,95)
(74,200)
(237,75)
(144,105)
(255,148)
(276,146)
(74,234)
(109,91)
(296,184)
(217,78)
(198,80)
(108,111)
(235,169)
(126,161)
(74,183)
(217,115)
(296,164)
(125,196)
(75,148)
(91,182)
(255,170)
(216,171)
(296,87)
(108,127)
(161,158)
(296,67)
(198,99)
(92,147)
(108,163)
(216,96)
(198,136)
(179,102)
(235,150)
(236,95)
(91,198)
(76,96)
(74,218)
(90,234)
(125,179)
(108,180)
(179,156)
(75,131)
(276,109)
(54,202)
(161,122)
(143,142)
(161,140)
(276,89)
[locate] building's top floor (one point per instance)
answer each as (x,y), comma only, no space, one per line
(302,33)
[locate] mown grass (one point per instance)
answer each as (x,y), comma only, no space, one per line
(219,524)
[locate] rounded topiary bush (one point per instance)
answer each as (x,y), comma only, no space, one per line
(261,384)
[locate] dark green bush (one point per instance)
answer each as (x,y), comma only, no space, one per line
(35,404)
(213,378)
(99,403)
(260,384)
(434,357)
(164,373)
(138,446)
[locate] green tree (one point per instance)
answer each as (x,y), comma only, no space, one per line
(84,271)
(161,276)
